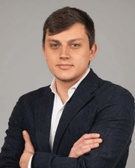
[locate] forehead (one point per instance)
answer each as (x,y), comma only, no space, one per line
(76,31)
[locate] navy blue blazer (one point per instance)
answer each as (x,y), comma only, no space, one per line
(97,106)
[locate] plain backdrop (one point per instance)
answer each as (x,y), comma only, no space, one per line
(22,66)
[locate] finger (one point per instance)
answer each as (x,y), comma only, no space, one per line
(95,145)
(85,149)
(88,137)
(88,143)
(26,136)
(85,144)
(91,136)
(82,151)
(28,144)
(92,141)
(79,144)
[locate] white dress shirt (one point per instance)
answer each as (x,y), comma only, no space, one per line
(58,108)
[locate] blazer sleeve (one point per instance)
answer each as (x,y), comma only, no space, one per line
(14,144)
(115,122)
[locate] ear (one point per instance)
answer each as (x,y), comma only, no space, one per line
(93,51)
(43,49)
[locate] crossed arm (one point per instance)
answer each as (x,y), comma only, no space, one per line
(114,122)
(80,147)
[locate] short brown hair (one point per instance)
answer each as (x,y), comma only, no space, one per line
(63,18)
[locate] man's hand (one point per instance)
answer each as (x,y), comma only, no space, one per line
(85,144)
(28,150)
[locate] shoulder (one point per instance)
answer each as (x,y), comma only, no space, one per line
(107,92)
(113,95)
(35,94)
(103,90)
(115,89)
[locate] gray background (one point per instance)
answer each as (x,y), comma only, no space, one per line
(22,66)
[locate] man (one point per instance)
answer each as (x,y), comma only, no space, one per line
(61,124)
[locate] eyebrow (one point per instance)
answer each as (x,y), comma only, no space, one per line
(57,41)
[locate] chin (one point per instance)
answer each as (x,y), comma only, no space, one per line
(67,79)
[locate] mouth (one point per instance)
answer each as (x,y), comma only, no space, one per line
(64,66)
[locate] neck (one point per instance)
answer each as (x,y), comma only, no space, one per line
(62,88)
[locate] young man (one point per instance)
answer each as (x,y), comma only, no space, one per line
(62,123)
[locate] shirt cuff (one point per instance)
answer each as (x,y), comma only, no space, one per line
(30,160)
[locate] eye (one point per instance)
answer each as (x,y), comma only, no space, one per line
(54,45)
(75,45)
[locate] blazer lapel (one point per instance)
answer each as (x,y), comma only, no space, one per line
(82,95)
(43,112)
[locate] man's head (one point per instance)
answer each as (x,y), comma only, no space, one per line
(68,44)
(64,18)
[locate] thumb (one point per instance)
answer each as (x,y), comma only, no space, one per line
(28,144)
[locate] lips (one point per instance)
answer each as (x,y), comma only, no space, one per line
(64,66)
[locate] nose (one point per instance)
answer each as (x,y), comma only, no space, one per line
(64,53)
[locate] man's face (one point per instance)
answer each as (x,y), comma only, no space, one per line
(68,53)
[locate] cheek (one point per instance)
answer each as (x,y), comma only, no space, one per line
(51,61)
(82,58)
(47,55)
